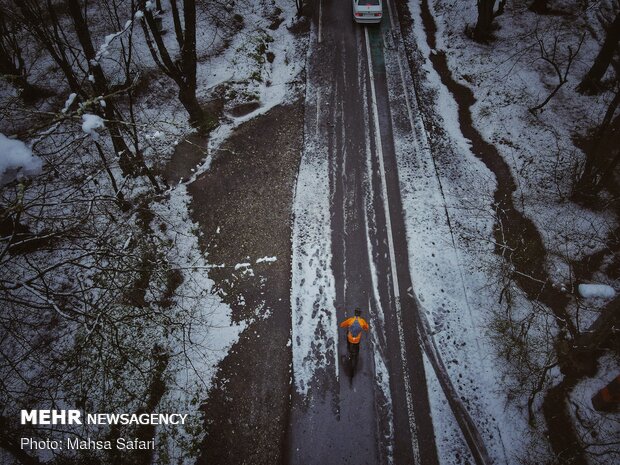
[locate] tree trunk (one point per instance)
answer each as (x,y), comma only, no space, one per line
(176,19)
(11,62)
(183,73)
(540,6)
(484,25)
(485,19)
(188,53)
(588,184)
(187,97)
(590,83)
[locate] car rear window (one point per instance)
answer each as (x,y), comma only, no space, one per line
(368,2)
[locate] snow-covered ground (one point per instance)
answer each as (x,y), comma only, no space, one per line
(448,281)
(313,294)
(454,270)
(246,57)
(508,76)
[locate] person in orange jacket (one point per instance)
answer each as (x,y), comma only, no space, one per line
(355,325)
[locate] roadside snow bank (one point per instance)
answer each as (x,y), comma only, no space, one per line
(209,342)
(313,294)
(447,196)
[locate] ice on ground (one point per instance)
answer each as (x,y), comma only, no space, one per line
(17,155)
(242,265)
(593,291)
(266,259)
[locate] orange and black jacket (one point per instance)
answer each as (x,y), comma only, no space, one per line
(348,322)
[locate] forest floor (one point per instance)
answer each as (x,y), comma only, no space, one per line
(534,158)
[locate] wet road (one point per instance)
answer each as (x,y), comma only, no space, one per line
(383,415)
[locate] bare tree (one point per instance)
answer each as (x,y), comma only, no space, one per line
(42,21)
(182,71)
(129,162)
(84,74)
(552,58)
(591,81)
(89,271)
(599,167)
(84,320)
(12,63)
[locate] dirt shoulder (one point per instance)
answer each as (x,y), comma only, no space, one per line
(243,206)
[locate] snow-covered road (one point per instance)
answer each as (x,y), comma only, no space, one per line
(372,230)
(350,250)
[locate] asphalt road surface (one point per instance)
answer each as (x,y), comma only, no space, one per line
(353,421)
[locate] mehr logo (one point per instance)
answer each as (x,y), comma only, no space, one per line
(51,417)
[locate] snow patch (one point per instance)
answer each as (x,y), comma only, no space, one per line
(17,155)
(593,291)
(90,124)
(68,102)
(313,294)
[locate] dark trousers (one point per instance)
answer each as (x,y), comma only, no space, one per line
(353,348)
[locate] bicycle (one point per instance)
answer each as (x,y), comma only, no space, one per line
(353,351)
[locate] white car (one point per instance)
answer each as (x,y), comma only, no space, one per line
(367,11)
